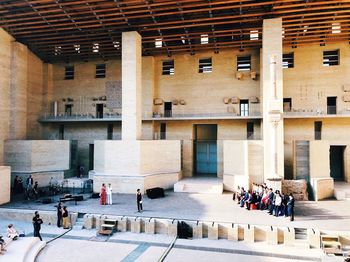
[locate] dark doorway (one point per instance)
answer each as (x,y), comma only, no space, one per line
(167,109)
(205,148)
(61,132)
(91,156)
(68,110)
(162,131)
(250,130)
(110,132)
(336,161)
(331,105)
(99,110)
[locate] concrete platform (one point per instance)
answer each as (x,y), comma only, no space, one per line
(324,215)
(342,190)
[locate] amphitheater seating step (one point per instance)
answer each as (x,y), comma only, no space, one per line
(23,250)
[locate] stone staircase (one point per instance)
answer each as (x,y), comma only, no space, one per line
(79,224)
(199,186)
(301,239)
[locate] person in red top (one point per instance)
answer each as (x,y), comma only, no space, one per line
(103,195)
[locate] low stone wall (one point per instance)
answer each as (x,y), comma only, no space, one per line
(322,188)
(48,217)
(297,187)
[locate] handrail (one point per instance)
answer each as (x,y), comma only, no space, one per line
(166,252)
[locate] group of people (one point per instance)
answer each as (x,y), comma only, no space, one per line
(12,234)
(264,198)
(62,216)
(31,189)
(106,196)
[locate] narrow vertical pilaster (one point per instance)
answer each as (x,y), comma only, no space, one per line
(272,97)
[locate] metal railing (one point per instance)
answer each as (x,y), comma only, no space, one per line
(198,113)
(79,116)
(329,110)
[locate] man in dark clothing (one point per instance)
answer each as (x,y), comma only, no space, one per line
(59,214)
(139,200)
(290,206)
(37,221)
(271,199)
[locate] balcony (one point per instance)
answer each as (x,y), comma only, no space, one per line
(81,117)
(199,115)
(320,112)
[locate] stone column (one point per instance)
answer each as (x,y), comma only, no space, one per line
(271,88)
(131,86)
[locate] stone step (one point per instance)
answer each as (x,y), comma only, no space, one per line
(301,243)
(34,251)
(201,188)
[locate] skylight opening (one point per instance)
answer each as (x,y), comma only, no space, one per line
(204,39)
(254,35)
(336,28)
(158,43)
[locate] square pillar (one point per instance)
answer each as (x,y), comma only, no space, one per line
(131,86)
(271,89)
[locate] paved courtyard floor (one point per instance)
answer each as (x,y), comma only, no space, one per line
(325,215)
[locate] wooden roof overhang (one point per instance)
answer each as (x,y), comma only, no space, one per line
(63,31)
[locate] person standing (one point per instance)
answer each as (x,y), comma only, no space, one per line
(139,200)
(65,218)
(278,203)
(37,221)
(109,194)
(103,195)
(15,185)
(290,206)
(59,214)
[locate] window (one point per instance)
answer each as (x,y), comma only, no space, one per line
(205,65)
(110,132)
(204,39)
(250,130)
(318,129)
(331,105)
(69,73)
(101,71)
(168,67)
(162,131)
(287,104)
(331,58)
(336,28)
(254,35)
(95,47)
(243,63)
(244,107)
(61,132)
(288,60)
(158,43)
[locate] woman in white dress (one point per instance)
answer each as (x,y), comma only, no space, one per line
(109,195)
(11,232)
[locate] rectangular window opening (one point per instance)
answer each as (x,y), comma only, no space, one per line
(168,67)
(254,35)
(205,65)
(336,28)
(244,63)
(204,39)
(110,132)
(318,130)
(69,73)
(101,71)
(287,104)
(250,130)
(162,131)
(288,60)
(331,58)
(158,43)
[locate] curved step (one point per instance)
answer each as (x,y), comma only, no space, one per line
(34,251)
(17,250)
